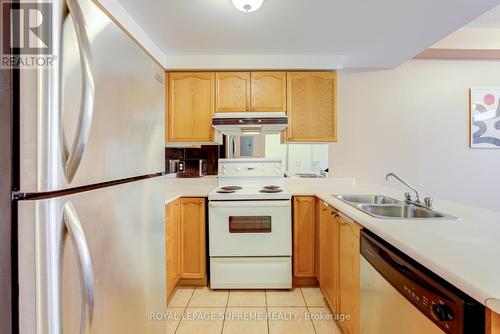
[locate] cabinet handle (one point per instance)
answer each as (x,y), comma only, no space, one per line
(248,108)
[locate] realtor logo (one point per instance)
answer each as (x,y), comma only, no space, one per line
(26,34)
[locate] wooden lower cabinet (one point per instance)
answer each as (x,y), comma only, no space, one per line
(349,271)
(172,230)
(329,256)
(185,243)
(317,216)
(339,260)
(304,236)
(192,246)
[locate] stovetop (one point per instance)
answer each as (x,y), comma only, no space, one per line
(250,179)
(249,192)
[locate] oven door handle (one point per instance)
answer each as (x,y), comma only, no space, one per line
(250,204)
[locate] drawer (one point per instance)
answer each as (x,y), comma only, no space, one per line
(251,273)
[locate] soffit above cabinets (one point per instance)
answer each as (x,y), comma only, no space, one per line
(301,34)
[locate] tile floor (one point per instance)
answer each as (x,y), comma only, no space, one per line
(201,310)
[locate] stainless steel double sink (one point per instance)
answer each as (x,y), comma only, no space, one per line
(380,206)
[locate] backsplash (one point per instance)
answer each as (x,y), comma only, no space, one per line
(191,157)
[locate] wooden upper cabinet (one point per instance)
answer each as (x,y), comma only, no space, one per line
(304,236)
(250,91)
(232,91)
(311,98)
(268,91)
(190,107)
(192,217)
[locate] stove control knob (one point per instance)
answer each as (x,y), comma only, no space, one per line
(441,312)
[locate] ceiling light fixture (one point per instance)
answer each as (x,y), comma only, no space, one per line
(248,5)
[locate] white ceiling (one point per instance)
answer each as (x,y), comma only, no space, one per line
(353,33)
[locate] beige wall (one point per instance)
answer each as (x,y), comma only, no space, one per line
(414,121)
(471,38)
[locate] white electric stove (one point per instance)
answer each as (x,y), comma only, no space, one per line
(250,226)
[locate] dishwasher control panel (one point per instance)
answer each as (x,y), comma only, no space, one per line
(449,308)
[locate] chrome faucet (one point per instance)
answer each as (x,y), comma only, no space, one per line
(407,195)
(322,172)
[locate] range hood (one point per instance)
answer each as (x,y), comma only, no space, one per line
(250,123)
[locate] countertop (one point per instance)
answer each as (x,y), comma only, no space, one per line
(188,187)
(465,252)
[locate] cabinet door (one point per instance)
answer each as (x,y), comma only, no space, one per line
(332,255)
(311,106)
(322,226)
(304,238)
(349,274)
(317,251)
(193,238)
(169,249)
(190,107)
(334,252)
(172,228)
(327,264)
(176,226)
(232,91)
(268,91)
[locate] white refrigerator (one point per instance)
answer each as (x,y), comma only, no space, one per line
(88,183)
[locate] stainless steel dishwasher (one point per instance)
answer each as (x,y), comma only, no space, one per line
(398,296)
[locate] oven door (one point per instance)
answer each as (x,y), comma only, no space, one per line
(250,228)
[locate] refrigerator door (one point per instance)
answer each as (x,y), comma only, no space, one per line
(97,114)
(93,260)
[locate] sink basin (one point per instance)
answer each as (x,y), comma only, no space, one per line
(380,206)
(368,199)
(401,211)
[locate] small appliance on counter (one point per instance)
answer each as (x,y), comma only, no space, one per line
(172,166)
(193,168)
